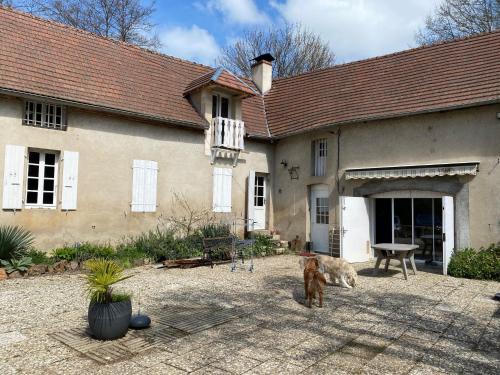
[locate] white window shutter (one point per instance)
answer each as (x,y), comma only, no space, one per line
(144,186)
(250,200)
(70,180)
(222,189)
(13,177)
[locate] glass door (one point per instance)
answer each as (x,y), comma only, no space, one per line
(411,221)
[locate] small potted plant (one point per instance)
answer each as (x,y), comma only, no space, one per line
(109,313)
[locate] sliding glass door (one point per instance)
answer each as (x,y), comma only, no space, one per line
(411,221)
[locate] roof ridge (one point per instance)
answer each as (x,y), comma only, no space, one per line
(97,36)
(388,55)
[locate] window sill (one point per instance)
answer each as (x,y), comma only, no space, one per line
(39,207)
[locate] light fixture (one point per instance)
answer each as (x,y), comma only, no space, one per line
(294,172)
(284,163)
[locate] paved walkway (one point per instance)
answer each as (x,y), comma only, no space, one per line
(430,324)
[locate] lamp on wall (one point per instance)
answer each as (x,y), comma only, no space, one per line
(294,173)
(284,163)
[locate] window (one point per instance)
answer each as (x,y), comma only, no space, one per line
(319,157)
(41,188)
(44,115)
(322,215)
(259,192)
(222,189)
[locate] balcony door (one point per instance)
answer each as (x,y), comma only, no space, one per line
(221,108)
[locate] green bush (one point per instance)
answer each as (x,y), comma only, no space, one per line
(20,265)
(215,230)
(14,242)
(160,244)
(65,253)
(40,257)
(84,251)
(263,245)
(471,264)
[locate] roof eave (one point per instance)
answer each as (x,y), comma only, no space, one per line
(77,104)
(387,117)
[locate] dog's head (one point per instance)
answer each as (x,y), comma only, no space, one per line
(311,264)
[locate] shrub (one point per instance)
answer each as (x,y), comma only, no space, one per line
(483,264)
(20,265)
(215,230)
(127,253)
(39,257)
(103,273)
(263,244)
(14,241)
(84,251)
(64,253)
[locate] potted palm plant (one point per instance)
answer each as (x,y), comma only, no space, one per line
(109,312)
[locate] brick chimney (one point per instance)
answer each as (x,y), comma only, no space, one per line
(262,72)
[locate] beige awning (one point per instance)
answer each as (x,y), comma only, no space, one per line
(412,171)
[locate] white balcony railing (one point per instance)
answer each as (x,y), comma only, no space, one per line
(228,133)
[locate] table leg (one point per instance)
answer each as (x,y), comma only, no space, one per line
(412,261)
(379,259)
(387,261)
(402,259)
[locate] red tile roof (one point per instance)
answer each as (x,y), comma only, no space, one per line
(221,77)
(46,58)
(50,59)
(443,76)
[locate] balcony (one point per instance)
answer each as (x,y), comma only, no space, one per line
(227,138)
(228,133)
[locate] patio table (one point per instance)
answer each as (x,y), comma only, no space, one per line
(398,251)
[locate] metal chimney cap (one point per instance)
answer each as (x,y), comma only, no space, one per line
(265,57)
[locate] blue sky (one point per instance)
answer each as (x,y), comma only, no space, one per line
(355,29)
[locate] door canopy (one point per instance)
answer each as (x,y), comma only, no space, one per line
(432,170)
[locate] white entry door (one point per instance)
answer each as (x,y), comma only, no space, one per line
(256,203)
(320,212)
(259,202)
(448,232)
(355,229)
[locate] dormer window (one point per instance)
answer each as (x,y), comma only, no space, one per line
(44,115)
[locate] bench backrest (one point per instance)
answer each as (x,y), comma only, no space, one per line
(218,243)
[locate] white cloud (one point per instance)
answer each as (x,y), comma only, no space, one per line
(358,29)
(244,12)
(191,43)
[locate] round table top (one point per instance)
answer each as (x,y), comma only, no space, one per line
(395,246)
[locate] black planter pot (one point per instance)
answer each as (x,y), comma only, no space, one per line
(109,321)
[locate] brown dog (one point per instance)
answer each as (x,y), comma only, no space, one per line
(314,281)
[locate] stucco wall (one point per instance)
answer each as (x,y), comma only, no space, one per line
(447,137)
(107,145)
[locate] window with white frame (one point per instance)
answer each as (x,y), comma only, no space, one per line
(44,115)
(322,215)
(319,157)
(41,187)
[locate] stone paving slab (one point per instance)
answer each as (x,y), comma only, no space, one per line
(243,323)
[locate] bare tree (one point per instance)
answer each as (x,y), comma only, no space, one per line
(296,49)
(125,20)
(454,19)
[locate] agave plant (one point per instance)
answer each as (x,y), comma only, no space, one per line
(14,241)
(20,265)
(103,274)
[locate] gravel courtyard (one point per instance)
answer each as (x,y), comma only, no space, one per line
(430,324)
